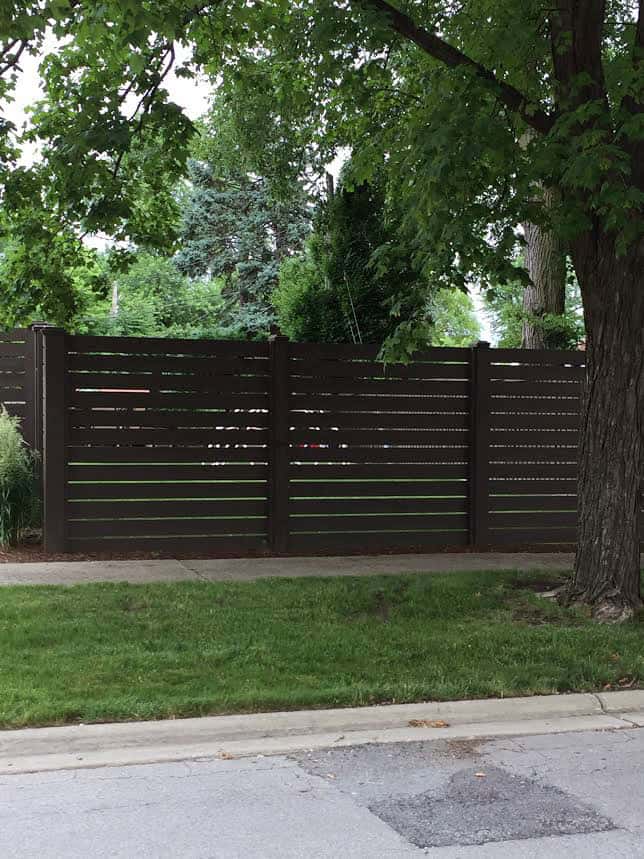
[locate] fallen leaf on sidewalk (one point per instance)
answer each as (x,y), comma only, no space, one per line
(226,756)
(428,723)
(479,775)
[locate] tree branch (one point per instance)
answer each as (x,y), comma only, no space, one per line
(12,59)
(146,101)
(445,53)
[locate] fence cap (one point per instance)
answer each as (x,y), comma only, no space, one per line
(482,344)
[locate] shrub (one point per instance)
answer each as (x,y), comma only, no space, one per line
(18,496)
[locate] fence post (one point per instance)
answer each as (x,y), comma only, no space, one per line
(34,382)
(480,446)
(29,430)
(54,420)
(278,456)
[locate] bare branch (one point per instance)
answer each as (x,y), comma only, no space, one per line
(445,53)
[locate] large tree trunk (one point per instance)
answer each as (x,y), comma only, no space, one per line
(545,260)
(607,565)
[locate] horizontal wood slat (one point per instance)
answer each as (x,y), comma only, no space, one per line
(380,454)
(544,421)
(395,522)
(341,351)
(538,356)
(521,388)
(229,475)
(519,537)
(173,509)
(166,419)
(374,369)
(164,366)
(533,454)
(180,436)
(380,420)
(375,488)
(169,454)
(533,519)
(410,541)
(534,469)
(533,487)
(541,374)
(166,527)
(114,399)
(374,505)
(536,503)
(84,344)
(332,471)
(173,545)
(139,490)
(368,387)
(419,436)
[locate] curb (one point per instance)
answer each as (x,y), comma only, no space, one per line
(123,743)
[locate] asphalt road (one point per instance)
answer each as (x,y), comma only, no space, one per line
(540,796)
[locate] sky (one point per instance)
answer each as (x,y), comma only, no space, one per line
(193,95)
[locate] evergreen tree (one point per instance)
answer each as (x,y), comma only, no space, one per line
(237,226)
(344,287)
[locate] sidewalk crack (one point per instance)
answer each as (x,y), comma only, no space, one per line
(602,706)
(191,570)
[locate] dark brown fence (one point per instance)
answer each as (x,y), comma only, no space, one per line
(19,380)
(239,447)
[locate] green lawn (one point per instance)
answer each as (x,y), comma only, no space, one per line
(102,652)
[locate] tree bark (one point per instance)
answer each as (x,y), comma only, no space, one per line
(607,564)
(545,260)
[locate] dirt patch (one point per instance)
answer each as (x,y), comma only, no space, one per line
(538,584)
(464,750)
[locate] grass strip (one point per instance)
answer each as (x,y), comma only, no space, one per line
(98,652)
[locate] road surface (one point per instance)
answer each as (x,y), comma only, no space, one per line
(576,794)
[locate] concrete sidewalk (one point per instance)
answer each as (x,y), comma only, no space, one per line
(249,569)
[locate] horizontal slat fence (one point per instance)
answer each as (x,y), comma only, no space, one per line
(166,445)
(534,402)
(378,454)
(16,378)
(242,447)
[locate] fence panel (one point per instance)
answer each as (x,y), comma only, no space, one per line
(534,414)
(15,380)
(378,454)
(166,445)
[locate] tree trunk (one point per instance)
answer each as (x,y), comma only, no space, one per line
(607,564)
(545,260)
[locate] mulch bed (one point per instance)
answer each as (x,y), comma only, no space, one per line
(34,553)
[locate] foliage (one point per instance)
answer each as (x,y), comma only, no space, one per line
(505,303)
(343,288)
(306,304)
(18,504)
(355,281)
(236,227)
(154,299)
(300,80)
(454,321)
